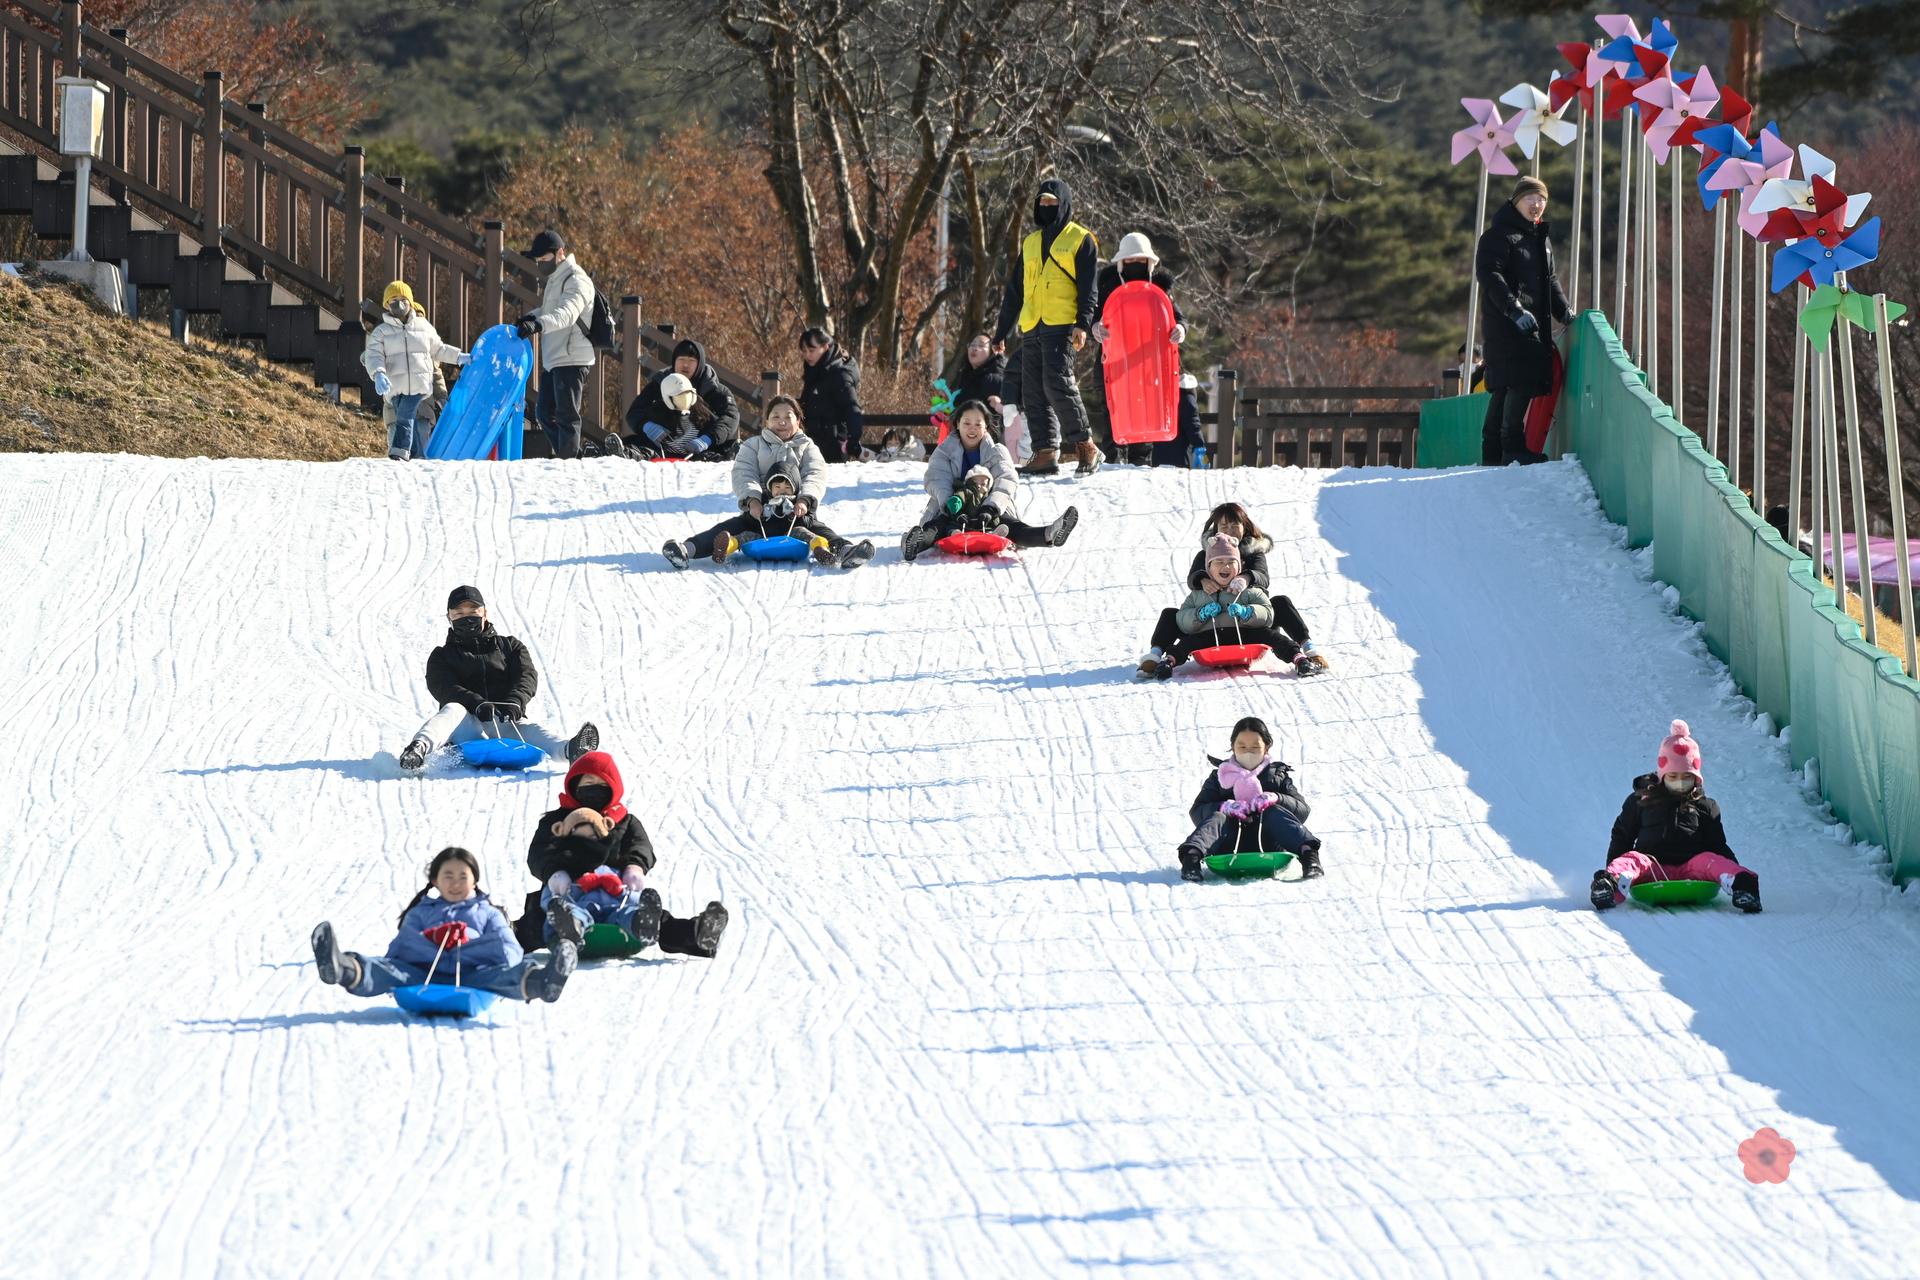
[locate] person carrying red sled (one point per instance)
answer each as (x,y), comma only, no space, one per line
(1668,829)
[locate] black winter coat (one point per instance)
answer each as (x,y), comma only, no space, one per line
(1669,829)
(1276,777)
(1514,262)
(1253,562)
(830,397)
(1110,280)
(625,846)
(491,668)
(715,413)
(980,383)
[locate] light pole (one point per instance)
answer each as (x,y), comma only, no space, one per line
(83,118)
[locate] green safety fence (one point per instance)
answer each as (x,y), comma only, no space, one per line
(1765,612)
(1450,431)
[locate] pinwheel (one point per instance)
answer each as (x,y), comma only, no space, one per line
(1563,89)
(1770,158)
(1736,111)
(1488,135)
(1823,217)
(1721,145)
(1815,264)
(1535,118)
(1683,110)
(1804,196)
(1617,25)
(1830,302)
(1661,39)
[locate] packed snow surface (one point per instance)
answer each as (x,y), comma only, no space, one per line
(967,1020)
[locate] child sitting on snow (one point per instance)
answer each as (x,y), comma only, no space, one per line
(1669,830)
(480,676)
(1249,803)
(1224,609)
(457,936)
(592,857)
(971,509)
(968,447)
(900,445)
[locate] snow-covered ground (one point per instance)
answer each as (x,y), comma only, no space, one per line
(967,1020)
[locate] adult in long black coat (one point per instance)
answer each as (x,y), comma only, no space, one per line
(982,375)
(1520,298)
(830,397)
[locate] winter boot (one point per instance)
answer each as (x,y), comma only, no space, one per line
(1746,892)
(1089,455)
(562,923)
(1150,666)
(1044,462)
(1062,528)
(822,551)
(1605,892)
(328,959)
(550,979)
(917,540)
(1309,861)
(707,929)
(723,546)
(676,554)
(415,756)
(856,555)
(588,739)
(645,925)
(1191,863)
(1310,658)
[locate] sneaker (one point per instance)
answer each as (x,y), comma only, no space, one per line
(856,555)
(1191,864)
(1605,893)
(550,979)
(917,540)
(414,758)
(676,554)
(1309,861)
(562,924)
(1062,528)
(588,739)
(398,455)
(723,546)
(1746,892)
(708,928)
(327,958)
(644,928)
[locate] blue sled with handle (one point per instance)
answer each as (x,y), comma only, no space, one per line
(488,401)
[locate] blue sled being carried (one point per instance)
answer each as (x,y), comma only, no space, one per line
(488,402)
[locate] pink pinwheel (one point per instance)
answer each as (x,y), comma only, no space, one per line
(1617,25)
(1536,117)
(1683,111)
(1488,135)
(1771,159)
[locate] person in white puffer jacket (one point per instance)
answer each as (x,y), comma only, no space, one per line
(400,356)
(566,356)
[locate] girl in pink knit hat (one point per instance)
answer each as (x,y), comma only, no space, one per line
(1669,830)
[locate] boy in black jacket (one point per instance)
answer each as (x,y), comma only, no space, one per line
(1249,797)
(479,675)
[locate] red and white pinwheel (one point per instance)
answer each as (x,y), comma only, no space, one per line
(1684,108)
(1488,135)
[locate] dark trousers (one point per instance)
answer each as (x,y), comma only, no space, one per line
(1050,397)
(1503,436)
(746,528)
(837,442)
(1273,830)
(676,934)
(557,407)
(1019,532)
(1286,618)
(1181,644)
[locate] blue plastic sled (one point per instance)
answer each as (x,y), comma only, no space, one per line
(780,547)
(501,753)
(488,399)
(442,1001)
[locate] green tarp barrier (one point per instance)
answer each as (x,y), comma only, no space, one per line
(1450,431)
(1765,612)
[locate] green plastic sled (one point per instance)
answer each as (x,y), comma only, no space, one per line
(1248,865)
(1674,893)
(605,941)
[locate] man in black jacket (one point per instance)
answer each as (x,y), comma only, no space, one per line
(1520,301)
(830,397)
(480,677)
(1051,296)
(715,414)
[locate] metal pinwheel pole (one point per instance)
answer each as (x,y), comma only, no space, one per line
(1817,458)
(1713,343)
(1579,209)
(1675,213)
(1796,469)
(1621,252)
(1836,501)
(1650,257)
(1737,257)
(1473,287)
(1857,485)
(1599,185)
(1896,478)
(1760,376)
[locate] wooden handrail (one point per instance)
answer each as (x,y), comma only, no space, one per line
(386,224)
(28,32)
(414,208)
(273,135)
(1339,393)
(98,43)
(45,11)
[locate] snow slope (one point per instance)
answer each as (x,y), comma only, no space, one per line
(967,1020)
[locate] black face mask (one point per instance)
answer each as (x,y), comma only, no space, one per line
(469,627)
(593,796)
(1135,271)
(1046,214)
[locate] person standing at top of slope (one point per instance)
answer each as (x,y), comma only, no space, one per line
(1669,830)
(968,448)
(591,848)
(982,375)
(665,422)
(403,355)
(1249,803)
(1051,294)
(830,397)
(479,675)
(566,354)
(1135,259)
(1522,299)
(449,931)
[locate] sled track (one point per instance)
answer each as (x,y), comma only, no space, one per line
(967,1020)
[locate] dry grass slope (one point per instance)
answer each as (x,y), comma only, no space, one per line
(74,379)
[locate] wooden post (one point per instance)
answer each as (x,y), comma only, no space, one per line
(1226,395)
(490,294)
(213,159)
(769,388)
(353,267)
(629,349)
(254,189)
(117,122)
(71,61)
(393,257)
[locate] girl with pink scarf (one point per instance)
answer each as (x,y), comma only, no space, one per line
(1249,802)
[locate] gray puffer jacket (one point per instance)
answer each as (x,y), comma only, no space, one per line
(947,471)
(765,452)
(564,309)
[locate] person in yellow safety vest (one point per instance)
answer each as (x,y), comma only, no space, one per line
(1051,292)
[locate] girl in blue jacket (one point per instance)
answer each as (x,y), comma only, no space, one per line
(456,936)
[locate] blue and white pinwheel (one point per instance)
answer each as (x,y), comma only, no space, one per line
(1813,263)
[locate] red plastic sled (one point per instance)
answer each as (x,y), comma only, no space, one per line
(1539,420)
(1142,364)
(1230,655)
(973,544)
(669,459)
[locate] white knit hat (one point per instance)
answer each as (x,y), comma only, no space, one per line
(1135,244)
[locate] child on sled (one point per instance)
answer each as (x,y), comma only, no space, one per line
(1249,803)
(969,448)
(449,933)
(592,857)
(1669,830)
(1224,609)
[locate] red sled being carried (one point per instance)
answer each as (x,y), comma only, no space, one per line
(1141,363)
